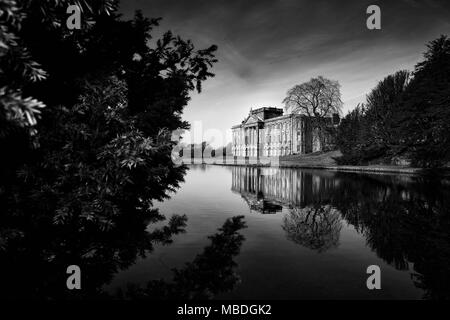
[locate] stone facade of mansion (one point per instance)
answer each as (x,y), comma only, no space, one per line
(266,132)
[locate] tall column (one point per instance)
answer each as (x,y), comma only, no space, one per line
(253,142)
(247,143)
(254,139)
(257,142)
(250,130)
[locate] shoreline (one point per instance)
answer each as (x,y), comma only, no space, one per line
(344,168)
(340,168)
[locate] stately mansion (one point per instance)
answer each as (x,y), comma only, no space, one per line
(266,132)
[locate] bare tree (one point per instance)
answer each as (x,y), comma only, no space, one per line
(319,99)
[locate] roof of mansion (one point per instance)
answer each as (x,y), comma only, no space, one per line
(255,116)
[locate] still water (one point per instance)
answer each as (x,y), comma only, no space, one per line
(311,234)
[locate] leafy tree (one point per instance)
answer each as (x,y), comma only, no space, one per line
(424,115)
(97,156)
(404,118)
(367,133)
(350,136)
(381,107)
(102,127)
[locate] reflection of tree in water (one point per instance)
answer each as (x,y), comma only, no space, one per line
(36,266)
(210,273)
(37,258)
(404,219)
(404,223)
(315,227)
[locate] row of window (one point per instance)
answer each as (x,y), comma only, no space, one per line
(269,152)
(278,132)
(269,138)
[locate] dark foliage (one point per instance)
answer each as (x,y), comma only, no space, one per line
(350,137)
(424,113)
(404,119)
(85,134)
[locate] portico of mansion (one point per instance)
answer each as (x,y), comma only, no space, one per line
(266,132)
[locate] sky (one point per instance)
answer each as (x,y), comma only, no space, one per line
(265,47)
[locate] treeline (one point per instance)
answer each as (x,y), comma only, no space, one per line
(406,118)
(203,150)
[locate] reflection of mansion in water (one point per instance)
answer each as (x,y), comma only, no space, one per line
(267,132)
(311,220)
(267,189)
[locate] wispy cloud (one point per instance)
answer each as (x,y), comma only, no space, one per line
(267,46)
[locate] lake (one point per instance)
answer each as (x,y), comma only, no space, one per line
(310,234)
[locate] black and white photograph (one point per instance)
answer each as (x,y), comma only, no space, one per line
(235,153)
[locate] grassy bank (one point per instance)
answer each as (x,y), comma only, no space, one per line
(327,161)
